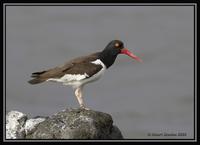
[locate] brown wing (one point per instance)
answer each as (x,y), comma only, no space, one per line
(82,59)
(75,66)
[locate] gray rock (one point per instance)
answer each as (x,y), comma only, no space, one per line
(31,125)
(115,133)
(72,124)
(77,124)
(15,125)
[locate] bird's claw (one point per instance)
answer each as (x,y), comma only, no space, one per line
(85,108)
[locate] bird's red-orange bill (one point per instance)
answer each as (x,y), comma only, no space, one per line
(127,52)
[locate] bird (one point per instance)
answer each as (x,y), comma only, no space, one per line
(83,70)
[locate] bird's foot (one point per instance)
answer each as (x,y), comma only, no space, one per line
(84,107)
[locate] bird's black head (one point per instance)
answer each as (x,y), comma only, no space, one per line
(115,47)
(110,52)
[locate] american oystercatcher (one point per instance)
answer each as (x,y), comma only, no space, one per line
(83,70)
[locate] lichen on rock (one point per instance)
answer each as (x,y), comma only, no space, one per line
(15,125)
(18,125)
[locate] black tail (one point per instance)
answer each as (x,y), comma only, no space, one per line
(37,74)
(37,79)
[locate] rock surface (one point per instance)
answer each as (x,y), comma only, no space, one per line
(14,125)
(67,124)
(18,125)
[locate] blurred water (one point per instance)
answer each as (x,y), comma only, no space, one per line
(150,97)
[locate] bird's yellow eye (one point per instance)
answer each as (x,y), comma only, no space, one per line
(116,44)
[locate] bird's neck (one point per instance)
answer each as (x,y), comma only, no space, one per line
(107,58)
